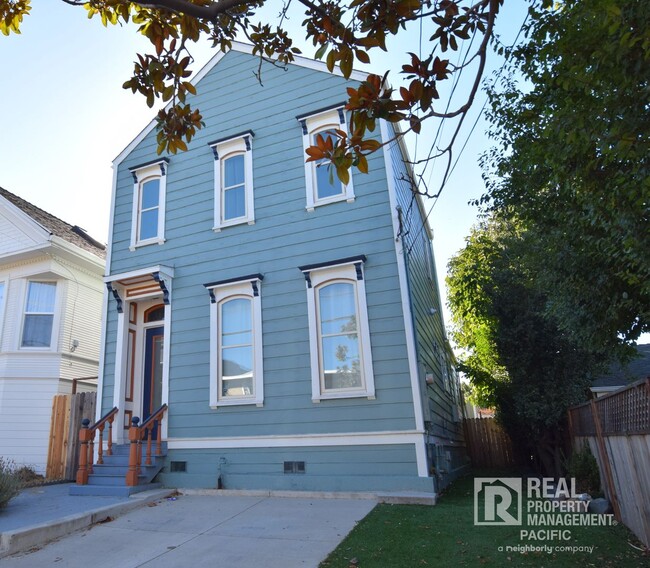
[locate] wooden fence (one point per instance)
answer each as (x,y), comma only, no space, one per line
(488,444)
(68,410)
(617,429)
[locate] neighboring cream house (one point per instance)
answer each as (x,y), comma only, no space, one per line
(50,320)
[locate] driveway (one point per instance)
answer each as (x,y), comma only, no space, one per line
(207,531)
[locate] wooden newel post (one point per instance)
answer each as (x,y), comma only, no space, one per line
(85,436)
(134,439)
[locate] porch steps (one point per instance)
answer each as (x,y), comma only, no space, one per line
(109,478)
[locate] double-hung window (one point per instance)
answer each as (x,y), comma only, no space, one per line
(233,181)
(236,362)
(323,186)
(149,189)
(38,318)
(339,337)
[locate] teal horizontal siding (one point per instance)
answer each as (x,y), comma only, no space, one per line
(439,398)
(342,468)
(283,237)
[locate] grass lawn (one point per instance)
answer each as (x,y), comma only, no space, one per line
(412,536)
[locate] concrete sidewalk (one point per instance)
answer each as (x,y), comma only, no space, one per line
(192,530)
(41,514)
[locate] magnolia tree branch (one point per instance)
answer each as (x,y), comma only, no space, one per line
(209,12)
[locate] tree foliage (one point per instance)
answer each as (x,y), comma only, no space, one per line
(572,162)
(342,31)
(518,360)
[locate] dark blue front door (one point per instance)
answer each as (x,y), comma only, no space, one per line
(153,366)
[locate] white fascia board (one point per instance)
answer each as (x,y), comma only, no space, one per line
(32,228)
(418,408)
(111,220)
(25,253)
(240,47)
(78,254)
(166,270)
(407,161)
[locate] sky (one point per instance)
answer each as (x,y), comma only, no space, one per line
(65,116)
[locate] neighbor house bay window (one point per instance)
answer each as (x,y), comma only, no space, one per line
(39,314)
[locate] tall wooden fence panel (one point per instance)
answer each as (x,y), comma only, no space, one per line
(617,429)
(488,444)
(68,410)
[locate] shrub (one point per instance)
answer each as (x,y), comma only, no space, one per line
(9,483)
(27,477)
(583,467)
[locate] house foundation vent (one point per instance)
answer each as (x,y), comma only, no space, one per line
(294,467)
(178,467)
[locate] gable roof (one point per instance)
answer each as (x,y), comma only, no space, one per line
(620,375)
(55,226)
(240,47)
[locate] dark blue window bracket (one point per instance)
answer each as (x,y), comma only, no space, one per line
(163,287)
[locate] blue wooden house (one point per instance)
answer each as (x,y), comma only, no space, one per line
(292,324)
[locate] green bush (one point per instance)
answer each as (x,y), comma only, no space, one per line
(9,483)
(584,468)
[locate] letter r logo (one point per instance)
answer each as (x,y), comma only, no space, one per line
(497,501)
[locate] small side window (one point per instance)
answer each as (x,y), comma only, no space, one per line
(233,181)
(322,184)
(148,218)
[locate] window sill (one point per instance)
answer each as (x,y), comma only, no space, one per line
(147,243)
(341,395)
(336,199)
(233,223)
(238,402)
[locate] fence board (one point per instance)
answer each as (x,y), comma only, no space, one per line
(68,410)
(59,427)
(82,406)
(624,419)
(488,444)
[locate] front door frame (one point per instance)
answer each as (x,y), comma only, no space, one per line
(129,293)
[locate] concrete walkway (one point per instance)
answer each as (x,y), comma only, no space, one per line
(200,531)
(40,514)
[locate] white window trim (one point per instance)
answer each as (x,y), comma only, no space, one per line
(315,277)
(333,118)
(54,337)
(222,149)
(141,174)
(218,293)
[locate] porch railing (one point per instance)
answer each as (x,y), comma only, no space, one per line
(87,444)
(140,434)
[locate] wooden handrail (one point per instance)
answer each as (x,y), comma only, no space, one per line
(87,444)
(136,435)
(155,416)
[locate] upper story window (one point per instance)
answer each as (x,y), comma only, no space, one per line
(149,189)
(339,337)
(323,186)
(39,314)
(233,181)
(236,361)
